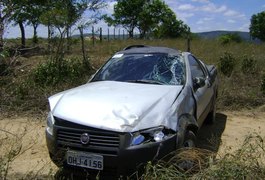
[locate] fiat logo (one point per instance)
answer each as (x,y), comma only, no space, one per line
(84,138)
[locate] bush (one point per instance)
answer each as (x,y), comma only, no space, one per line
(228,38)
(227,64)
(66,70)
(248,65)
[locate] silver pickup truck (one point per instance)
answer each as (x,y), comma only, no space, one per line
(144,103)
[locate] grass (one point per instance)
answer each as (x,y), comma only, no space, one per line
(246,162)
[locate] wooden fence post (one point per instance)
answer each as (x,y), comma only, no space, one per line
(114,33)
(188,44)
(123,35)
(108,34)
(93,35)
(100,34)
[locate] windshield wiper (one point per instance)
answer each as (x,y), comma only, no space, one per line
(147,81)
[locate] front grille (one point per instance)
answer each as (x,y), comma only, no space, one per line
(100,141)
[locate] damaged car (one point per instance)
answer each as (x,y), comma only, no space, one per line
(142,104)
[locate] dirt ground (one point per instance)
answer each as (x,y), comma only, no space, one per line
(26,136)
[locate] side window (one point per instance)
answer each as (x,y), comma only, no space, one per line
(196,69)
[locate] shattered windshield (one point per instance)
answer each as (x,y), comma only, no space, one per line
(144,68)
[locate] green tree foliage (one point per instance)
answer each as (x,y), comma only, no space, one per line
(126,13)
(230,37)
(257,26)
(169,26)
(6,7)
(27,12)
(149,17)
(19,17)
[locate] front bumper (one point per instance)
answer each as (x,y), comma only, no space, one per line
(121,159)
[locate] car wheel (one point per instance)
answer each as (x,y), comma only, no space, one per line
(189,142)
(189,139)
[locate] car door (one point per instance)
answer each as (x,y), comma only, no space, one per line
(202,94)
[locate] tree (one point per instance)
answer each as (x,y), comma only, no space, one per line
(64,17)
(19,17)
(126,13)
(146,15)
(150,17)
(6,8)
(257,26)
(167,23)
(34,10)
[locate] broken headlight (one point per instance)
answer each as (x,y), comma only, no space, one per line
(150,135)
(50,123)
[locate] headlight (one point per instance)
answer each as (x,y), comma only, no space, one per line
(50,123)
(150,135)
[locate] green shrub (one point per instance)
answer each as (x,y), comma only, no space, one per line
(66,70)
(227,64)
(248,65)
(228,38)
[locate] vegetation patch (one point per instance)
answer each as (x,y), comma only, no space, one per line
(248,65)
(227,64)
(247,162)
(229,38)
(53,72)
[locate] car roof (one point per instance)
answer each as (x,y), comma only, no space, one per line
(142,49)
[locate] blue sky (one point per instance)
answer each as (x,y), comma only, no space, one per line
(200,15)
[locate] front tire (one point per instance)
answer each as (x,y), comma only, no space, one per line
(189,139)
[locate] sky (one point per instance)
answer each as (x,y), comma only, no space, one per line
(199,15)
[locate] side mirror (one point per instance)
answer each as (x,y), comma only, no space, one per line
(198,82)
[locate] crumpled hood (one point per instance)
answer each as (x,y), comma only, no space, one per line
(116,106)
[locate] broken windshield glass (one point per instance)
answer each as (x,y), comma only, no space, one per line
(138,68)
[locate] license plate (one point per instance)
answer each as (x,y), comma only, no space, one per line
(82,159)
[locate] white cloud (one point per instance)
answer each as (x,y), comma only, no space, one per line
(231,13)
(231,21)
(207,18)
(204,20)
(221,9)
(200,1)
(200,22)
(186,7)
(213,8)
(184,16)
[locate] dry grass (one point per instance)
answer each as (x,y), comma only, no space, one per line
(247,162)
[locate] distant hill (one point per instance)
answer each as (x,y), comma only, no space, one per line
(215,34)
